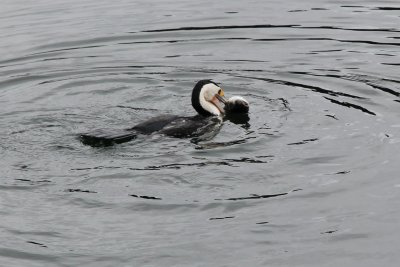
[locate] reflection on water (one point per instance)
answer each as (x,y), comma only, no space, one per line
(307,178)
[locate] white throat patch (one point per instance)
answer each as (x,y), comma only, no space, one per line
(209,90)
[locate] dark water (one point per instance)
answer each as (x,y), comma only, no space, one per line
(313,179)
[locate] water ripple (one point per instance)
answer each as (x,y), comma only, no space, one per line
(323,88)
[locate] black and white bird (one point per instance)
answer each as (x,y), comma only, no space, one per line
(207,99)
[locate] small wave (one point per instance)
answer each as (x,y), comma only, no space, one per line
(350,105)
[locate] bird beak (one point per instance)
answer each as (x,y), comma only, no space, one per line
(221,98)
(219,101)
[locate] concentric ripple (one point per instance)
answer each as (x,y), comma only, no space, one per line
(309,180)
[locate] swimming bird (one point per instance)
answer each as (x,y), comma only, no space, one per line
(207,99)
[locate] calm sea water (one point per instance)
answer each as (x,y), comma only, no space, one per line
(311,180)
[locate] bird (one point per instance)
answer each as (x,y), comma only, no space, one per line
(208,100)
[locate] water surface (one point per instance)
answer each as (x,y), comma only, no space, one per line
(311,180)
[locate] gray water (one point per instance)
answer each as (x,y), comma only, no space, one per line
(311,180)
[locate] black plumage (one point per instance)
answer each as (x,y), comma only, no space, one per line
(170,125)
